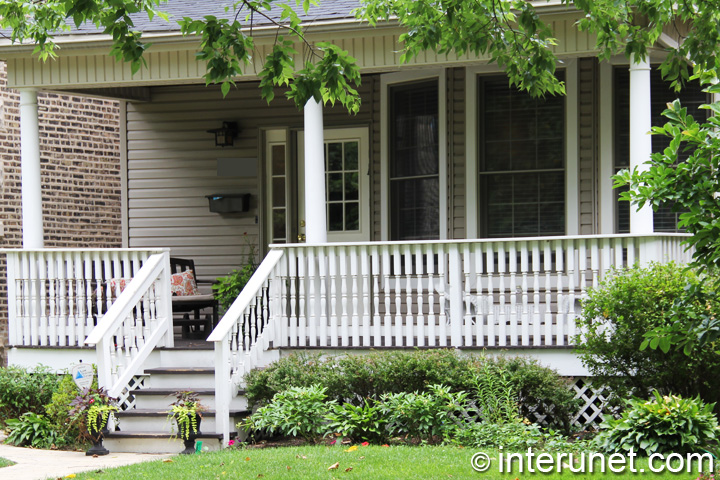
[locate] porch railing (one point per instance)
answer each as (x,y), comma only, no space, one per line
(513,293)
(115,299)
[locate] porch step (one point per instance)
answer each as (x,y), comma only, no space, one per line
(156,420)
(182,378)
(156,442)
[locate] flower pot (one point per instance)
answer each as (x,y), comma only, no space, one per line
(188,435)
(97,439)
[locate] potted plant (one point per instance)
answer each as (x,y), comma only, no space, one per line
(186,411)
(97,408)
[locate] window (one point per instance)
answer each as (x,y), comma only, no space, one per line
(414,161)
(342,177)
(522,161)
(691,96)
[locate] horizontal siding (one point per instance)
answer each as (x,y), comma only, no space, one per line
(456,152)
(172,166)
(587,142)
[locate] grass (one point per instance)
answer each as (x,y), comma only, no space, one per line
(312,462)
(4,462)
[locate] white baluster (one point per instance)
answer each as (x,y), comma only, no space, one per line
(293,261)
(397,276)
(366,311)
(442,281)
(419,278)
(335,299)
(344,303)
(409,323)
(481,315)
(501,321)
(536,293)
(387,317)
(594,260)
(570,257)
(62,299)
(14,298)
(467,314)
(488,333)
(88,280)
(355,314)
(562,317)
(376,332)
(547,265)
(42,299)
(524,267)
(512,313)
(313,294)
(432,319)
(322,267)
(302,320)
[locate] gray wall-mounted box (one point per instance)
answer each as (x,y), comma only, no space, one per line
(229,202)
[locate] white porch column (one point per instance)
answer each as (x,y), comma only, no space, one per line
(30,167)
(315,210)
(641,221)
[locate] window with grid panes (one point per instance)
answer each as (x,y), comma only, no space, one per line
(414,161)
(522,161)
(342,187)
(691,96)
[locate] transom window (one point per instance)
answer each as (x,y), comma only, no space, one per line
(522,161)
(691,96)
(414,161)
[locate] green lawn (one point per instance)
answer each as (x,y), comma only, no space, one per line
(312,462)
(5,462)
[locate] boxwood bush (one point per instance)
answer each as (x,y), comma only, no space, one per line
(353,378)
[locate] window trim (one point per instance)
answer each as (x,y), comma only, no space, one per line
(386,81)
(472,156)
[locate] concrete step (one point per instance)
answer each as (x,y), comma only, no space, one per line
(156,442)
(149,419)
(186,358)
(161,398)
(181,378)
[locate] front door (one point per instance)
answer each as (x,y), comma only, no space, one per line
(347,184)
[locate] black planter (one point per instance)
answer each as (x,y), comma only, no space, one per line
(97,439)
(189,436)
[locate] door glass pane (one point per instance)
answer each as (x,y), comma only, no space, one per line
(334,157)
(279,230)
(278,159)
(335,217)
(335,186)
(278,191)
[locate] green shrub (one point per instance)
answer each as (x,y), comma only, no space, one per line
(23,390)
(664,424)
(615,317)
(354,378)
(360,422)
(428,416)
(298,411)
(58,411)
(32,430)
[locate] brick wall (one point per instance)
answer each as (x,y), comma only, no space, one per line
(80,163)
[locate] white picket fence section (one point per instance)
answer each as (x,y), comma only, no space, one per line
(75,297)
(465,294)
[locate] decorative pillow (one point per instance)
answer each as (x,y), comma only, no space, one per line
(118,283)
(183,284)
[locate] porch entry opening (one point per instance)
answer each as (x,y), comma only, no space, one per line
(347,185)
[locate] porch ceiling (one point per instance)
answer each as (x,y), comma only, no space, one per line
(83,61)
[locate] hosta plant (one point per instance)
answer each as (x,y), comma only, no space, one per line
(32,430)
(360,422)
(297,412)
(663,424)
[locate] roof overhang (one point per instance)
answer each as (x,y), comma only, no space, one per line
(83,62)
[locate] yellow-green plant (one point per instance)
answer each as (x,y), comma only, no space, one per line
(97,407)
(185,411)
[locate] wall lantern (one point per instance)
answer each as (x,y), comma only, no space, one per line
(224,135)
